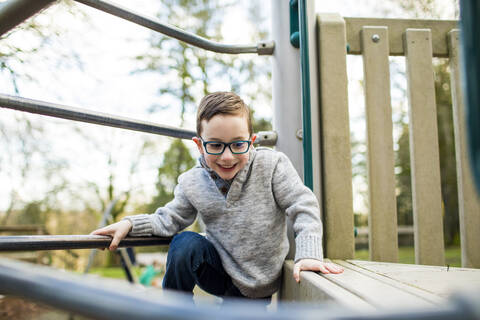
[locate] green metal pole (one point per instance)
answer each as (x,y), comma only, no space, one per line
(470,36)
(305,74)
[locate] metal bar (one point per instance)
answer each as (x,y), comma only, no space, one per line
(305,76)
(262,48)
(264,138)
(14,12)
(286,93)
(108,299)
(61,242)
(83,115)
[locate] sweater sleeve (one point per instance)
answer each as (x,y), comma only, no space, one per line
(166,221)
(301,206)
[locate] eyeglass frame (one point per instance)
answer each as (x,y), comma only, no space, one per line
(225,145)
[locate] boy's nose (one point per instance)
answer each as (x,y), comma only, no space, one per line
(227,154)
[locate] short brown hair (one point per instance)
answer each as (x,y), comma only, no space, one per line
(222,103)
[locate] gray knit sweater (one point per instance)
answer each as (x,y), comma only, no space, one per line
(248,227)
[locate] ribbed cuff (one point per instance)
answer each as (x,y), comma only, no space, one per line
(141,225)
(308,247)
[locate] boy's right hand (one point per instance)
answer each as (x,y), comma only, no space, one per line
(117,231)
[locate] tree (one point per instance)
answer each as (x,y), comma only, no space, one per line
(186,74)
(176,160)
(27,161)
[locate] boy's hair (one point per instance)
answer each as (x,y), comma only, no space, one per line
(222,103)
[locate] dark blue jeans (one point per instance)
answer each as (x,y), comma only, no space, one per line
(192,260)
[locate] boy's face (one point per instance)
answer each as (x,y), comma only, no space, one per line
(225,128)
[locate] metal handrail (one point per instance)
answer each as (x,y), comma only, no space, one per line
(14,12)
(62,242)
(108,299)
(266,138)
(262,48)
(83,115)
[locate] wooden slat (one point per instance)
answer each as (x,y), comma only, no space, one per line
(382,219)
(380,294)
(337,167)
(396,29)
(424,153)
(315,288)
(389,277)
(469,202)
(432,280)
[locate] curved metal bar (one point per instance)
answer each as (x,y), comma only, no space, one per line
(262,48)
(14,12)
(61,242)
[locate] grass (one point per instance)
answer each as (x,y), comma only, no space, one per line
(407,255)
(114,272)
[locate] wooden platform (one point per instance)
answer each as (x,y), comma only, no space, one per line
(367,285)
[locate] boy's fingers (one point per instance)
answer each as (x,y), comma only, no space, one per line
(334,268)
(114,244)
(296,272)
(105,231)
(323,269)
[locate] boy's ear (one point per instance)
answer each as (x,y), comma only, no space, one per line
(198,143)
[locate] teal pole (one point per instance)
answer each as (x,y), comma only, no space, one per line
(305,76)
(470,39)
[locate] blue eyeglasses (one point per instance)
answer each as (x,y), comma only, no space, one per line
(217,147)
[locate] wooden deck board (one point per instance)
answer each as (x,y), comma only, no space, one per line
(440,281)
(380,285)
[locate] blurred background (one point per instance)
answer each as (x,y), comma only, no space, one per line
(59,176)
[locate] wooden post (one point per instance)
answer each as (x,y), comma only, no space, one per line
(424,153)
(382,219)
(337,165)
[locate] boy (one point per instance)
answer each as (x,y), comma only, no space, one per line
(243,196)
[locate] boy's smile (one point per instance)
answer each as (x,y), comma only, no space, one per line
(225,128)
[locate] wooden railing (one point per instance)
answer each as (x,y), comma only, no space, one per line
(376,40)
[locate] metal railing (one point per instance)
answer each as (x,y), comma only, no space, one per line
(83,115)
(62,242)
(109,299)
(14,12)
(262,48)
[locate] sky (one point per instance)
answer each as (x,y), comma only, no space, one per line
(90,66)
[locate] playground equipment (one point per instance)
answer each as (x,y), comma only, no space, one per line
(317,141)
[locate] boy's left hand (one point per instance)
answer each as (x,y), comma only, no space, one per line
(314,265)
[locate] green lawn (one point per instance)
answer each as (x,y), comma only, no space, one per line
(407,255)
(114,272)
